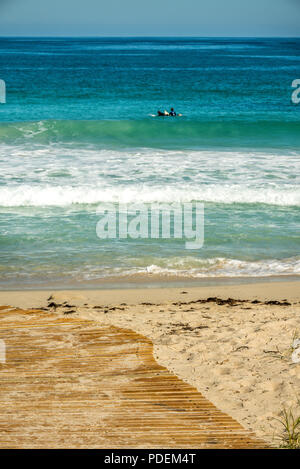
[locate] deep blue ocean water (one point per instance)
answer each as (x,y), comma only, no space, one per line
(77,131)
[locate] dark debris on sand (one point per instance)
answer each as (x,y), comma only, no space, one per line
(231,302)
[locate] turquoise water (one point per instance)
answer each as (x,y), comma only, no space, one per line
(77,132)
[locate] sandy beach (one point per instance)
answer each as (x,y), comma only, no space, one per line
(149,225)
(233,343)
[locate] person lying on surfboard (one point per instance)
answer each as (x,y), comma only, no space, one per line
(166,113)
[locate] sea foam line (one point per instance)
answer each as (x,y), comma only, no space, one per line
(25,195)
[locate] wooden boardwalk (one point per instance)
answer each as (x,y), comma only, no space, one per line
(70,383)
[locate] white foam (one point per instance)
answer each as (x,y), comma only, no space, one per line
(24,195)
(221,267)
(64,175)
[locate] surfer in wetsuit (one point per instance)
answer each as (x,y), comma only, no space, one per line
(166,113)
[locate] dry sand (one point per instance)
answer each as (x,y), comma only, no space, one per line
(236,353)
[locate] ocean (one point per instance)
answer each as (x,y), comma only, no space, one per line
(77,132)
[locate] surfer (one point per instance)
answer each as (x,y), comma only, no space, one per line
(166,113)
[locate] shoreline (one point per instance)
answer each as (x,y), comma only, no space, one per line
(279,290)
(150,282)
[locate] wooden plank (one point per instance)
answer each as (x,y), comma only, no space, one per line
(70,383)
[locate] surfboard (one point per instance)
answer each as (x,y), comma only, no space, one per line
(156,115)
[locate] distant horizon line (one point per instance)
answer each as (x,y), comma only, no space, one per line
(142,37)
